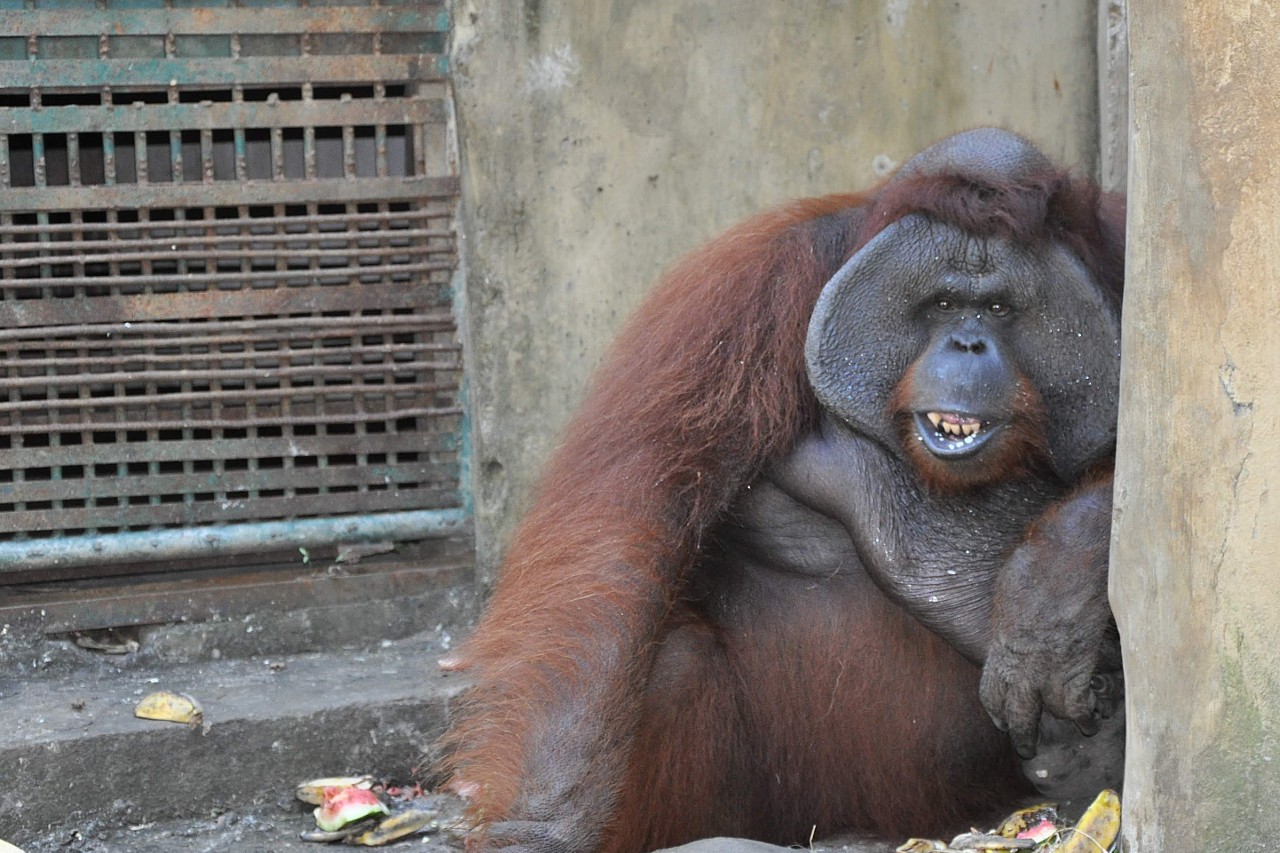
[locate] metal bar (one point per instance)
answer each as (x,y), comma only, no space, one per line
(286,405)
(175,155)
(240,154)
(348,151)
(77,253)
(225,508)
(109,157)
(419,136)
(228,423)
(316,393)
(186,333)
(309,154)
(175,361)
(140,167)
(113,268)
(144,215)
(153,278)
(73,159)
(220,449)
(194,257)
(54,75)
(229,539)
(235,303)
(380,128)
(277,155)
(259,374)
(6,239)
(39,161)
(230,193)
(428,17)
(206,161)
(406,473)
(228,227)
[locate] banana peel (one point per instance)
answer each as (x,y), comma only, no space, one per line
(1098,826)
(967,842)
(394,828)
(170,707)
(1027,820)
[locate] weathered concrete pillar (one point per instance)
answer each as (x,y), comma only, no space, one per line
(1113,94)
(1196,556)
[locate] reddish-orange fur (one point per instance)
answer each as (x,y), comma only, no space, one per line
(908,725)
(706,382)
(706,385)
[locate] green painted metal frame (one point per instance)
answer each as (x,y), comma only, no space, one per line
(214,20)
(150,545)
(33,63)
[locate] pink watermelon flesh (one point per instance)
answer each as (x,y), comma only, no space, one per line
(346,805)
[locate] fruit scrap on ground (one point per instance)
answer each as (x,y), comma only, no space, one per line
(1040,829)
(313,791)
(170,707)
(357,810)
(342,806)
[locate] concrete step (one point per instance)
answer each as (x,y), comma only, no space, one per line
(76,763)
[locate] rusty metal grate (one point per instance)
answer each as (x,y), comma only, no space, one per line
(227,255)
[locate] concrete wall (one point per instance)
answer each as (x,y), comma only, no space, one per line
(1113,94)
(601,139)
(1196,542)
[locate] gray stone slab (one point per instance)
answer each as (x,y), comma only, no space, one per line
(72,753)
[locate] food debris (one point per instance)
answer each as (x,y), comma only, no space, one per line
(1038,828)
(360,811)
(396,827)
(170,707)
(343,806)
(312,791)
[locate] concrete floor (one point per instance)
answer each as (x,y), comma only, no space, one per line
(83,774)
(78,765)
(276,830)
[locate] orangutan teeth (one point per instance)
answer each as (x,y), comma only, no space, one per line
(954,425)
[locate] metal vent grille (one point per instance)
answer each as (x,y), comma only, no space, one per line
(226,260)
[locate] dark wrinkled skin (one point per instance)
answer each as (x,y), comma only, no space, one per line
(1054,635)
(1055,650)
(1034,613)
(937,556)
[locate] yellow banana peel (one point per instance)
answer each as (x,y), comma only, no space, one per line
(1098,828)
(170,707)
